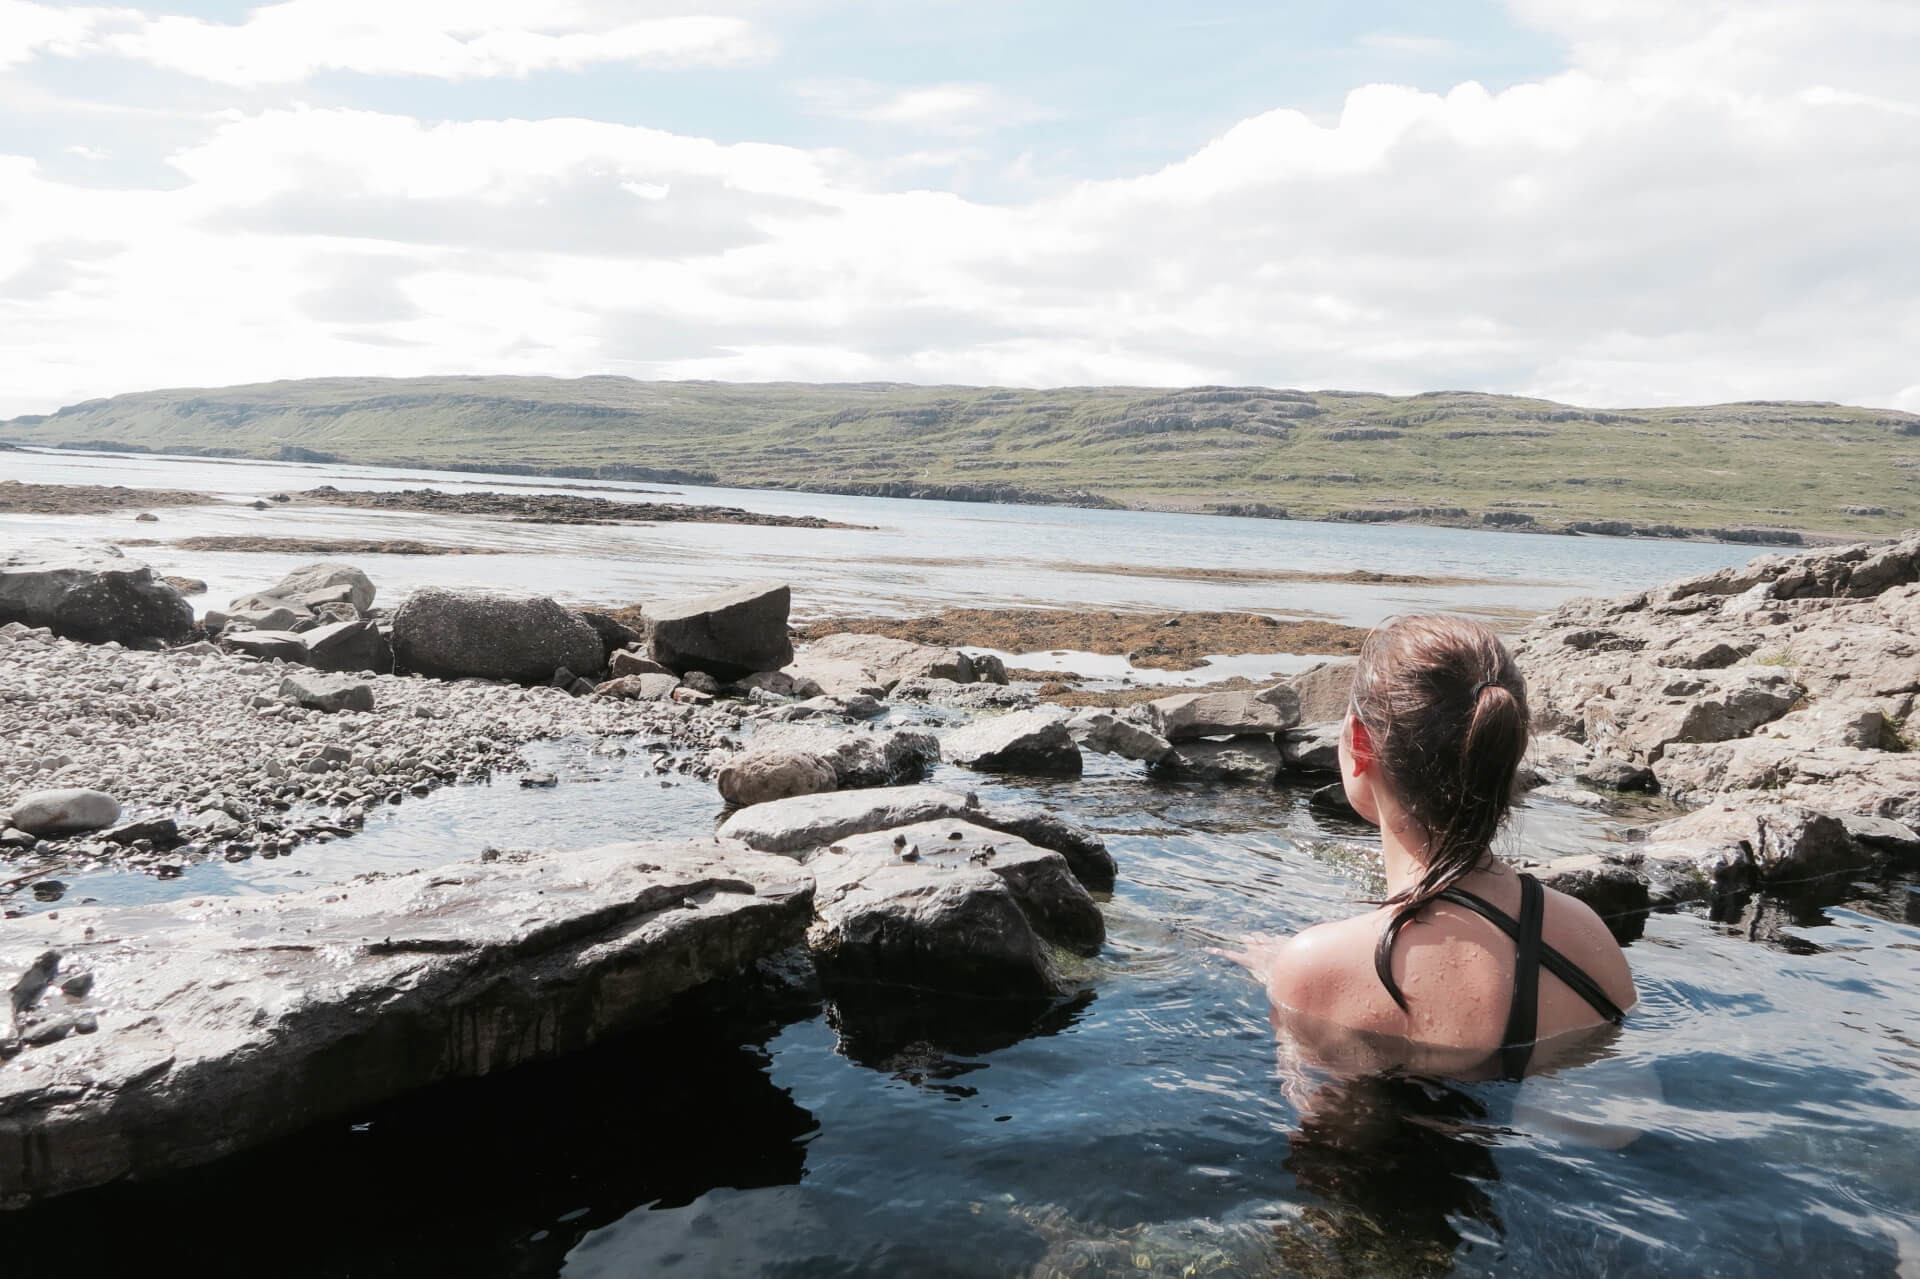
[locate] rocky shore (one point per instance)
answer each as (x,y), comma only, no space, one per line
(555,508)
(1771,700)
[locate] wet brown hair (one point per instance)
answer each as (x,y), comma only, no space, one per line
(1446,708)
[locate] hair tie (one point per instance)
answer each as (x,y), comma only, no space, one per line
(1482,687)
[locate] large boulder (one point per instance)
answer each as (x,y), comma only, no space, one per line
(460,634)
(337,646)
(223,1023)
(91,594)
(1186,716)
(65,812)
(727,635)
(1023,742)
(815,821)
(951,906)
(326,582)
(875,664)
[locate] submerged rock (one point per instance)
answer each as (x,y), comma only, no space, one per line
(456,634)
(224,1023)
(90,594)
(1252,761)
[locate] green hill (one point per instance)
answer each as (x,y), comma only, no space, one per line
(1446,457)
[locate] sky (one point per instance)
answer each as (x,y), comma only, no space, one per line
(1604,202)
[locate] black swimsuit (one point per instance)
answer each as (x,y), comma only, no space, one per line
(1531,954)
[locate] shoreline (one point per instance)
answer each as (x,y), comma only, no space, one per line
(1761,537)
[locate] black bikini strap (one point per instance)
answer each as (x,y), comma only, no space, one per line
(1523,1015)
(1556,963)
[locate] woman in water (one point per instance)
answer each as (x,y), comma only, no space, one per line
(1467,963)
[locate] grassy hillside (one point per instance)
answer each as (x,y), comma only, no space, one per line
(1449,457)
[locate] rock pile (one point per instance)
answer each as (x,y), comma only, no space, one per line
(92,594)
(1778,693)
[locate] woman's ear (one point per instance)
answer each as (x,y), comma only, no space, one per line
(1359,743)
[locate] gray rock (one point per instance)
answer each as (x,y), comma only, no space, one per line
(640,688)
(1187,716)
(615,637)
(1106,734)
(327,693)
(1856,722)
(874,664)
(283,646)
(969,915)
(236,1020)
(65,812)
(627,662)
(161,832)
(348,646)
(797,825)
(1609,773)
(1615,892)
(1312,748)
(852,706)
(859,756)
(1899,841)
(266,615)
(701,682)
(1022,742)
(759,776)
(455,634)
(1253,761)
(976,696)
(1781,841)
(1324,690)
(90,594)
(728,635)
(326,582)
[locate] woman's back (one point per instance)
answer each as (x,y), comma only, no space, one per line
(1456,970)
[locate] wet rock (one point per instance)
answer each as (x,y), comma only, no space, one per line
(90,594)
(858,756)
(1312,748)
(975,696)
(852,706)
(1609,773)
(1616,893)
(1107,734)
(1022,742)
(701,682)
(1782,842)
(1187,716)
(237,1020)
(971,915)
(874,664)
(627,662)
(1898,842)
(1249,761)
(327,694)
(640,688)
(814,821)
(728,635)
(325,582)
(453,634)
(772,683)
(759,776)
(538,781)
(65,812)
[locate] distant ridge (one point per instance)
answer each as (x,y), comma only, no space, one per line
(1755,470)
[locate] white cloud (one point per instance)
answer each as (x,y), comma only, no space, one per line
(1675,218)
(294,40)
(956,108)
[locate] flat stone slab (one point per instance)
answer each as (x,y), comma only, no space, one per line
(225,1022)
(807,822)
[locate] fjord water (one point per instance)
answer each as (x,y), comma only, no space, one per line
(1755,1116)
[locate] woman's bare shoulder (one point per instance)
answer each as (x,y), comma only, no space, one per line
(1584,938)
(1324,971)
